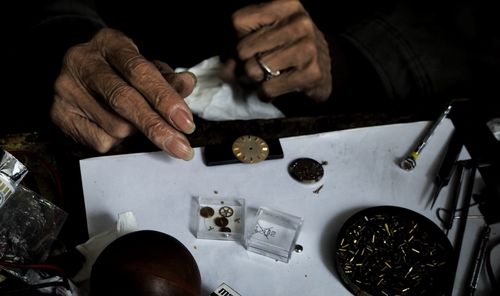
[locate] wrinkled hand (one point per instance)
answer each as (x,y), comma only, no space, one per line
(107,89)
(288,41)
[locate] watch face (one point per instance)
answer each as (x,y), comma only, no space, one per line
(306,170)
(250,149)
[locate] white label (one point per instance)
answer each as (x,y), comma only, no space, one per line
(224,290)
(6,190)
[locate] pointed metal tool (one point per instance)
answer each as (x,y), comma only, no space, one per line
(447,166)
(410,161)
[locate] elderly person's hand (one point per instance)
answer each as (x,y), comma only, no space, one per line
(282,48)
(107,89)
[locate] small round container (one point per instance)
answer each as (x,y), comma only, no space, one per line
(390,250)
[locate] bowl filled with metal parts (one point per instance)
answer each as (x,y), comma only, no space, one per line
(390,250)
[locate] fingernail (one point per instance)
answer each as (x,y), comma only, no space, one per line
(179,147)
(182,120)
(193,76)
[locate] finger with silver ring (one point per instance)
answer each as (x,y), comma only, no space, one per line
(268,72)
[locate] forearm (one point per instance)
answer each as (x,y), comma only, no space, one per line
(36,44)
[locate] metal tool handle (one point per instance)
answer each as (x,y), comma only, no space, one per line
(410,162)
(457,186)
(478,264)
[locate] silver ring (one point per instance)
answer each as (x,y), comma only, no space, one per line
(268,72)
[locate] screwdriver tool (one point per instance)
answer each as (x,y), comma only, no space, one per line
(464,167)
(447,166)
(480,256)
(410,162)
(457,186)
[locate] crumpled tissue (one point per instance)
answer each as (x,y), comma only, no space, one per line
(95,245)
(214,99)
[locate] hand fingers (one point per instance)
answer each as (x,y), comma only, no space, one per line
(145,99)
(280,35)
(80,128)
(302,68)
(293,58)
(146,82)
(292,81)
(87,106)
(182,82)
(148,104)
(309,80)
(84,119)
(130,104)
(253,17)
(228,71)
(291,45)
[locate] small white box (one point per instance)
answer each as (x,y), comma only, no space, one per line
(274,234)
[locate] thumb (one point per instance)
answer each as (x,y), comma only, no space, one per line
(182,82)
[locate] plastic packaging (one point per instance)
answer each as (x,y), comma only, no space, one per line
(29,224)
(274,234)
(220,219)
(12,171)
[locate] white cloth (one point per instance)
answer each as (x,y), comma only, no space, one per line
(214,99)
(95,245)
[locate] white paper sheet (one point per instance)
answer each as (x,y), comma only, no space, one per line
(362,171)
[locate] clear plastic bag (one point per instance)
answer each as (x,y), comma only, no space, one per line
(29,224)
(12,171)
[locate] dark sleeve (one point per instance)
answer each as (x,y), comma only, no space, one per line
(74,21)
(417,49)
(59,25)
(350,68)
(37,38)
(434,50)
(407,50)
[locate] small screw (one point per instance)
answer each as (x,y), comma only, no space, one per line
(298,249)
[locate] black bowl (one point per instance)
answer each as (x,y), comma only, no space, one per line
(390,250)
